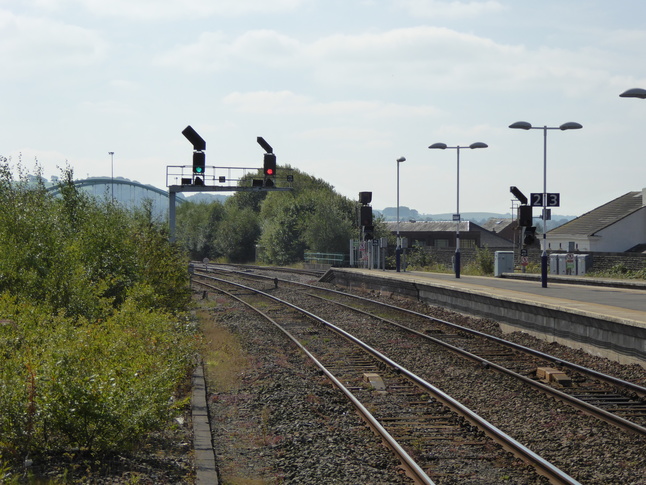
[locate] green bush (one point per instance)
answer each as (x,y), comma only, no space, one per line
(482,264)
(94,339)
(95,386)
(620,271)
(418,258)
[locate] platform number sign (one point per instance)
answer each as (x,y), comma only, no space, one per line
(553,200)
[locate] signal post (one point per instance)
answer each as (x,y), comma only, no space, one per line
(200,177)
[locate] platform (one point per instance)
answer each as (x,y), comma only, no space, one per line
(604,320)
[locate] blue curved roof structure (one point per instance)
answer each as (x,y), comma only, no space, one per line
(129,193)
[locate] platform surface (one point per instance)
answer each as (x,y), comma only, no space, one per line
(605,301)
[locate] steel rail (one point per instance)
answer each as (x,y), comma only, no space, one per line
(636,388)
(412,469)
(562,396)
(542,466)
(631,386)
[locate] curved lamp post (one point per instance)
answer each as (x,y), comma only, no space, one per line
(524,125)
(634,93)
(456,217)
(398,250)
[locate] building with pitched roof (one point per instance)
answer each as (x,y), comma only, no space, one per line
(506,228)
(617,226)
(442,235)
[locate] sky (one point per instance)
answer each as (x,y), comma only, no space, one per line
(339,88)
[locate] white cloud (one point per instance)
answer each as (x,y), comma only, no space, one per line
(285,102)
(345,136)
(214,51)
(453,9)
(29,45)
(166,9)
(416,58)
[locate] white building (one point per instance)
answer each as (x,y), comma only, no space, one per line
(618,226)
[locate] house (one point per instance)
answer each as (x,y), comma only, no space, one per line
(505,228)
(442,235)
(617,226)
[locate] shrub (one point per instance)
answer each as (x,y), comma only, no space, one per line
(96,386)
(482,264)
(93,335)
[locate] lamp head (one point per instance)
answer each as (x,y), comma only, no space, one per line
(401,159)
(521,125)
(634,93)
(440,146)
(571,125)
(478,144)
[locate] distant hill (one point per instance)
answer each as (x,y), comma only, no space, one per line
(407,214)
(206,197)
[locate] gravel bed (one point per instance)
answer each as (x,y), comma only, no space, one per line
(588,450)
(285,423)
(292,452)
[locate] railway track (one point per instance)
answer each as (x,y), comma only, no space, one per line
(620,403)
(450,442)
(586,447)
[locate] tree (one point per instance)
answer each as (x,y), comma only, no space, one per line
(285,224)
(197,227)
(330,224)
(315,219)
(237,234)
(281,238)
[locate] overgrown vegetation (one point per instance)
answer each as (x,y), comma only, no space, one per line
(420,259)
(619,271)
(94,338)
(273,227)
(482,264)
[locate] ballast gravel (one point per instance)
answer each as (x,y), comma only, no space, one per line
(295,427)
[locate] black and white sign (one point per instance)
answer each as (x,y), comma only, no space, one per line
(553,200)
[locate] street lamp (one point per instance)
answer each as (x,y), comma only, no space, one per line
(524,125)
(634,93)
(456,216)
(398,250)
(112,173)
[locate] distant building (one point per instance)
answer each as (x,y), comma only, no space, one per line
(127,193)
(505,228)
(442,235)
(617,226)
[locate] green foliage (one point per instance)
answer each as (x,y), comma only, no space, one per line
(418,258)
(482,264)
(237,234)
(282,225)
(85,385)
(330,225)
(281,238)
(619,271)
(197,227)
(312,218)
(91,350)
(81,256)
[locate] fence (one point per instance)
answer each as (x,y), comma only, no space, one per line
(326,259)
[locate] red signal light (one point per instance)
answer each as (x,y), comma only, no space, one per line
(269,165)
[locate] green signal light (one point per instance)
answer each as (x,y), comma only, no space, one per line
(199,160)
